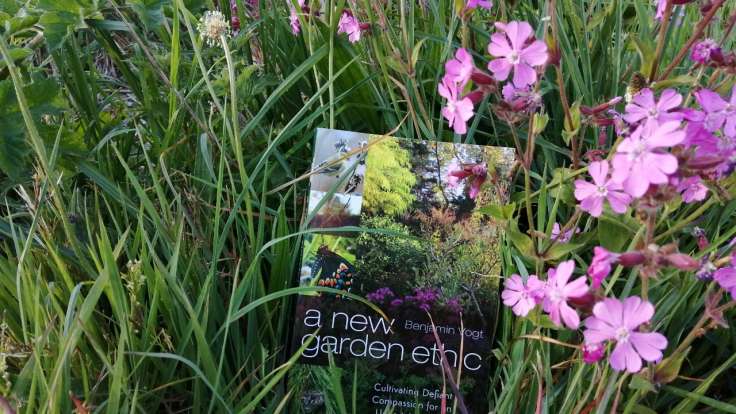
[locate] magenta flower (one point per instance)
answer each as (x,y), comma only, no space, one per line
(350,26)
(558,291)
(474,4)
(515,52)
(705,51)
(522,297)
(639,162)
(726,277)
(618,321)
(692,189)
(460,68)
(644,107)
(296,26)
(593,353)
(592,195)
(475,174)
(458,110)
(600,266)
(521,99)
(718,112)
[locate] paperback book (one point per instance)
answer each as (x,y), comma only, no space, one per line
(412,266)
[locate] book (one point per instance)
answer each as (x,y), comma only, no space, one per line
(402,267)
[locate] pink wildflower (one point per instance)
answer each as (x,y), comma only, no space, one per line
(458,110)
(473,4)
(513,50)
(638,161)
(558,291)
(718,112)
(593,353)
(592,195)
(476,174)
(600,266)
(460,68)
(521,99)
(522,297)
(726,277)
(706,51)
(618,321)
(692,189)
(644,107)
(350,26)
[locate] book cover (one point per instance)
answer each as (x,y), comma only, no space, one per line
(397,222)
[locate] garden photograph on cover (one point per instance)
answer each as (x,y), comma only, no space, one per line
(367,206)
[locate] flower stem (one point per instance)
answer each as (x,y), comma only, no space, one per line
(699,29)
(661,39)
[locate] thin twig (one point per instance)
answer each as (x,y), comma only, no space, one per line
(699,29)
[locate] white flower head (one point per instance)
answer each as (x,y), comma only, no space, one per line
(213,25)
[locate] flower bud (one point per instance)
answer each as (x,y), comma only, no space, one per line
(630,259)
(482,78)
(682,261)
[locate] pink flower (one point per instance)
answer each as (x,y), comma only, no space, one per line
(660,9)
(350,26)
(558,291)
(692,189)
(644,107)
(718,112)
(521,99)
(562,237)
(473,4)
(522,297)
(513,50)
(296,26)
(600,266)
(476,174)
(726,277)
(618,321)
(593,353)
(638,161)
(592,195)
(458,110)
(706,51)
(460,68)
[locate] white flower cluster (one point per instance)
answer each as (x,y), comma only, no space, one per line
(212,26)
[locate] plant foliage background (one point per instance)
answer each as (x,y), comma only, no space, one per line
(152,187)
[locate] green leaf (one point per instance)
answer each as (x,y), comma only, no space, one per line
(645,48)
(500,212)
(16,55)
(572,127)
(613,235)
(521,241)
(150,12)
(640,383)
(668,370)
(60,17)
(559,250)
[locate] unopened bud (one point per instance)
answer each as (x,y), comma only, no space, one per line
(682,261)
(630,259)
(476,96)
(482,78)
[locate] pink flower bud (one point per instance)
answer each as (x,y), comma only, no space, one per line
(592,353)
(482,78)
(630,259)
(682,261)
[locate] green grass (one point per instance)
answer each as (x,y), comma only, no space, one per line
(151,198)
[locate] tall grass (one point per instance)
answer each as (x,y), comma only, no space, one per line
(151,200)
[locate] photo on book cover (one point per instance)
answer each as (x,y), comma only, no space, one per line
(397,222)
